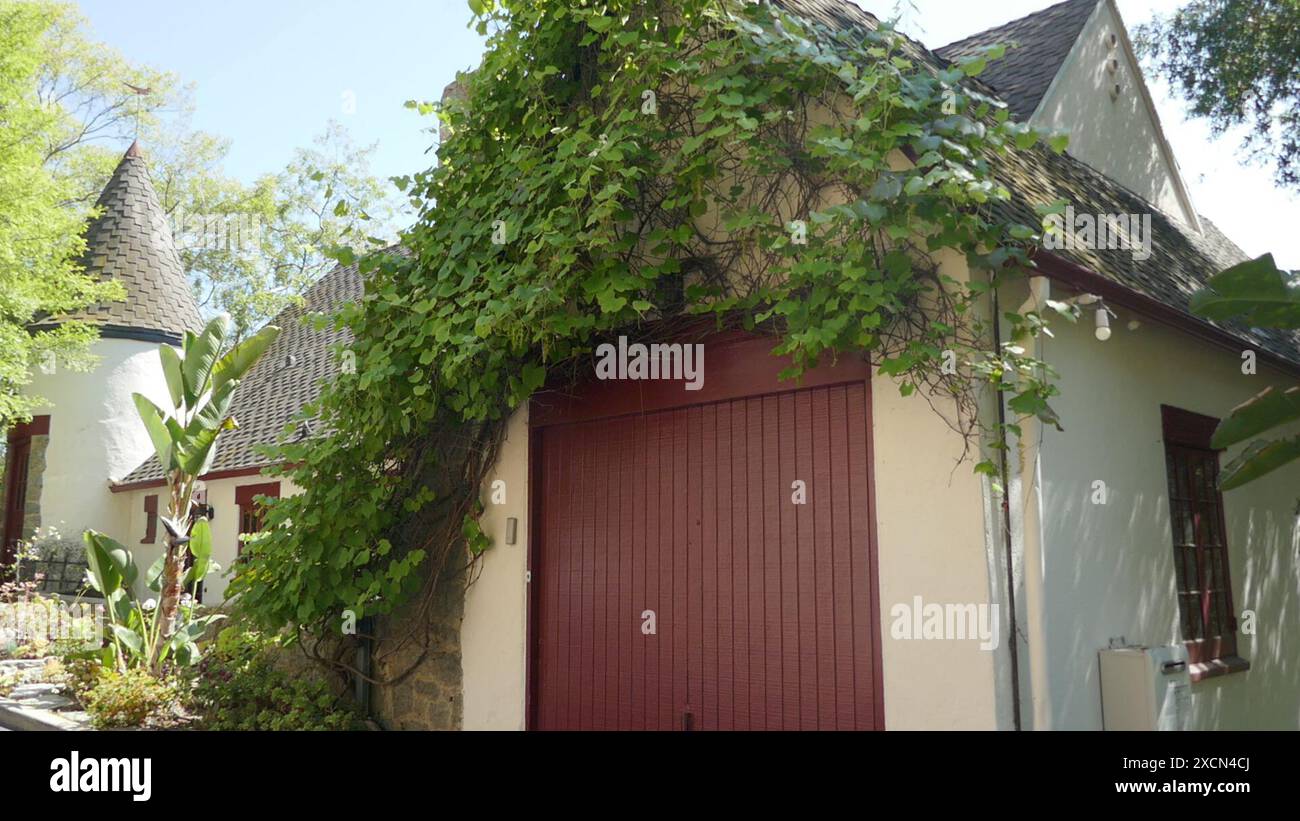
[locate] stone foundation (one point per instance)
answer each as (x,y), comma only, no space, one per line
(431,697)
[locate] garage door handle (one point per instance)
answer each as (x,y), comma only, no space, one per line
(688,720)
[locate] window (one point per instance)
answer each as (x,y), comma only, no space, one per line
(150,519)
(251,512)
(1207,619)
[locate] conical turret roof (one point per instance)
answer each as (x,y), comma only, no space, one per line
(131,242)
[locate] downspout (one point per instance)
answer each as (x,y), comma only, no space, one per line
(1020,518)
(364,664)
(1014,644)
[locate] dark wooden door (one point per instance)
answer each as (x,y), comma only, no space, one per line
(20,450)
(763,609)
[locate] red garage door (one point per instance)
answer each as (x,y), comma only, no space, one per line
(678,584)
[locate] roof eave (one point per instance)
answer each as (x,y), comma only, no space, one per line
(1088,281)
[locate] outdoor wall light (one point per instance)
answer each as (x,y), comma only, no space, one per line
(1103,322)
(512,530)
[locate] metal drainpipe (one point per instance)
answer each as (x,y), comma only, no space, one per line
(1039,291)
(364,658)
(1014,645)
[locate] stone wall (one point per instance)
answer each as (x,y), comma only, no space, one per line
(432,696)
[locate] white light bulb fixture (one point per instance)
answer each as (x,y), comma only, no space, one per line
(1103,322)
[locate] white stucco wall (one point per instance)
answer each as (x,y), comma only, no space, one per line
(95,433)
(1108,569)
(225,526)
(1120,137)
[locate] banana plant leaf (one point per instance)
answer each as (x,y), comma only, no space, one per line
(1267,410)
(1259,458)
(1255,292)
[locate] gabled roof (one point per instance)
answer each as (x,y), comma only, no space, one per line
(1037,45)
(287,377)
(1181,260)
(131,242)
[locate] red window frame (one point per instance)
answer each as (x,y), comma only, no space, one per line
(1198,528)
(251,512)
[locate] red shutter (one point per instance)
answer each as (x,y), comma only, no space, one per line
(151,519)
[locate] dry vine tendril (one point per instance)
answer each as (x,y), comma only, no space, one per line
(614,168)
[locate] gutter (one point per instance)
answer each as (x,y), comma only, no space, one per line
(1089,282)
(228,473)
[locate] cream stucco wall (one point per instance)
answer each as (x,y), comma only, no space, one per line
(495,627)
(225,526)
(95,432)
(1120,137)
(1108,569)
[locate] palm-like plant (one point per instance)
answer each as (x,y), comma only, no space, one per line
(1259,294)
(201,382)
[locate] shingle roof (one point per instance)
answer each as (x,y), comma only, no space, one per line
(1181,260)
(131,242)
(1037,45)
(286,378)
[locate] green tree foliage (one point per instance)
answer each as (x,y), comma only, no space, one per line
(621,167)
(39,238)
(248,249)
(1259,294)
(1237,62)
(251,250)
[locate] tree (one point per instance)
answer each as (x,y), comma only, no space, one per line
(1237,62)
(40,240)
(1260,295)
(277,235)
(248,249)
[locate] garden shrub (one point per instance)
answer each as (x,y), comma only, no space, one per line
(127,699)
(239,687)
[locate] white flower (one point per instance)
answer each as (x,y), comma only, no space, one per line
(150,604)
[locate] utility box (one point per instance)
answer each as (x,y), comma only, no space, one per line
(1145,688)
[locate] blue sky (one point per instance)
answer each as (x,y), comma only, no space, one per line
(270,74)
